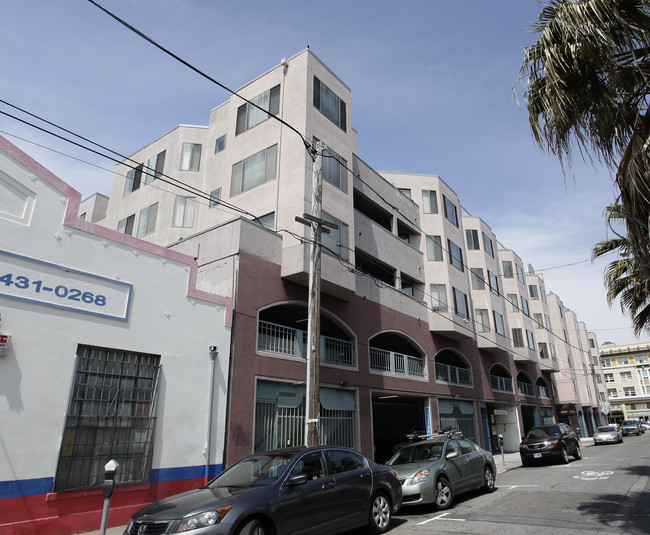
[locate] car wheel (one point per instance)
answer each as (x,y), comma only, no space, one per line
(380,514)
(253,527)
(525,462)
(444,494)
(488,478)
(578,453)
(565,456)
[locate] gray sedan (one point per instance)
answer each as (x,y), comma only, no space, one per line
(321,489)
(608,434)
(433,471)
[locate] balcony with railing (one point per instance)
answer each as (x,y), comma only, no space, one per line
(282,340)
(391,362)
(501,384)
(543,392)
(446,373)
(525,389)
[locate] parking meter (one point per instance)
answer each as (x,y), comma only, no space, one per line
(503,456)
(110,470)
(109,477)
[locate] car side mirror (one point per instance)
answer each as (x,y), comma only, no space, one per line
(451,455)
(298,479)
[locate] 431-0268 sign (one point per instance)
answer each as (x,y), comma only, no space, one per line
(43,283)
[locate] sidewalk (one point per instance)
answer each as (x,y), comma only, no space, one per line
(504,462)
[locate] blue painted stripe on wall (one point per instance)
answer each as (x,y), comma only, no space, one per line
(25,487)
(43,485)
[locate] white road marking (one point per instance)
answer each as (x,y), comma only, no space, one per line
(441,517)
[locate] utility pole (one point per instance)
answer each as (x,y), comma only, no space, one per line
(316,223)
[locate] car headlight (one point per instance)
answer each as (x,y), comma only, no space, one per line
(202,520)
(421,476)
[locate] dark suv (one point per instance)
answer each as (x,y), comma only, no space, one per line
(555,441)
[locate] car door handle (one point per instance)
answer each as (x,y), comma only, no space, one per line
(328,485)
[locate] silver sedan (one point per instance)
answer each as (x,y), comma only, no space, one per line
(608,434)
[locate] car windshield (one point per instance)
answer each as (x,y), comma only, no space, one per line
(607,429)
(259,470)
(629,422)
(540,432)
(417,453)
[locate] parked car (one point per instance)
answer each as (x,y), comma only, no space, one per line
(644,424)
(436,469)
(555,441)
(317,489)
(608,434)
(631,427)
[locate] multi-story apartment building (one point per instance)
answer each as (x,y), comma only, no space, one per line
(426,321)
(627,378)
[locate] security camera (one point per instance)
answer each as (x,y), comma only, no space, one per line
(213,348)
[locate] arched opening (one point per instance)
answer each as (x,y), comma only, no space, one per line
(500,379)
(392,352)
(452,368)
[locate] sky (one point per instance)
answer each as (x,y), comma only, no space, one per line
(434,91)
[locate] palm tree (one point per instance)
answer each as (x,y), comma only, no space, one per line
(587,87)
(623,278)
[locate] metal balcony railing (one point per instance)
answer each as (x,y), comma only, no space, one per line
(453,374)
(274,338)
(391,362)
(543,392)
(502,384)
(525,389)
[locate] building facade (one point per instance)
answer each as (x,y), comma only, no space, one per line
(627,378)
(103,340)
(426,320)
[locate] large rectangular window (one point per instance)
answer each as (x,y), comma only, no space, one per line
(184,212)
(133,179)
(263,106)
(434,248)
(482,320)
(190,157)
(517,337)
(154,168)
(508,273)
(489,248)
(494,283)
(330,105)
(451,212)
(335,169)
(455,255)
(147,222)
(336,242)
(111,415)
(125,226)
(472,239)
(499,325)
(478,281)
(254,170)
(439,297)
(460,303)
(429,201)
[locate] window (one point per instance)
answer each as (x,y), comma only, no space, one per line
(629,391)
(267,221)
(110,415)
(439,297)
(155,166)
(531,339)
(451,213)
(543,350)
(499,326)
(606,363)
(612,393)
(542,293)
(524,306)
(460,303)
(455,255)
(517,337)
(513,302)
(520,273)
(507,269)
(133,179)
(487,241)
(405,191)
(609,377)
(494,283)
(334,169)
(344,461)
(329,104)
(547,320)
(215,197)
(622,361)
(533,292)
(429,201)
(434,248)
(482,320)
(336,242)
(190,157)
(184,212)
(626,376)
(258,110)
(537,317)
(254,170)
(126,225)
(220,144)
(476,275)
(551,345)
(641,359)
(472,239)
(147,222)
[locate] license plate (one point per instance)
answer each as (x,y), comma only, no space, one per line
(537,455)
